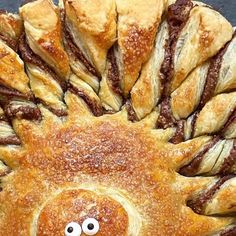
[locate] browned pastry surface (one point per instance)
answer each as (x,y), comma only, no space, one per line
(121,112)
(101,162)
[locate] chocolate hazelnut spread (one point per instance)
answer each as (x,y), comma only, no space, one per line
(9,41)
(94,106)
(77,52)
(212,78)
(211,82)
(229,161)
(165,119)
(229,232)
(177,17)
(192,168)
(58,112)
(131,112)
(198,204)
(10,140)
(30,57)
(113,75)
(230,121)
(23,112)
(12,93)
(179,134)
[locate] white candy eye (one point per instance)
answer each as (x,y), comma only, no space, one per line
(73,229)
(90,226)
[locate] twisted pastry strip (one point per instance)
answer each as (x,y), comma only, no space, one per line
(110,91)
(216,157)
(88,36)
(15,94)
(147,91)
(219,198)
(213,77)
(7,134)
(208,109)
(87,94)
(137,27)
(195,24)
(42,50)
(10,29)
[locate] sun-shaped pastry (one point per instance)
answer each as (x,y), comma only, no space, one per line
(118,118)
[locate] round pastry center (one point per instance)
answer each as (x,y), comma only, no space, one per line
(86,209)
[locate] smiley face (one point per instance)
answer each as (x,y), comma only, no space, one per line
(82,212)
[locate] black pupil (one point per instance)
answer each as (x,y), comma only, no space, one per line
(70,230)
(90,226)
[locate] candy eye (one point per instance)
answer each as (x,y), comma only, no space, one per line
(73,229)
(90,226)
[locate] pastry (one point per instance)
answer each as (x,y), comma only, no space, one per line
(117,118)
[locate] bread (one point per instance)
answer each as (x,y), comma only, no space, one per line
(117,118)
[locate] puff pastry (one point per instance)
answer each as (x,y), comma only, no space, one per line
(117,118)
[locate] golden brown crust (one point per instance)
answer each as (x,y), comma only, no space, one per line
(146,92)
(12,72)
(215,114)
(43,33)
(112,217)
(11,25)
(95,162)
(205,39)
(192,88)
(137,27)
(124,155)
(93,25)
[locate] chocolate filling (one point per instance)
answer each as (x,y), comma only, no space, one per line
(192,168)
(113,72)
(211,82)
(57,112)
(94,106)
(198,204)
(9,93)
(30,57)
(177,17)
(7,171)
(10,140)
(23,112)
(193,123)
(212,78)
(179,134)
(131,112)
(229,232)
(165,119)
(10,42)
(77,52)
(229,161)
(230,121)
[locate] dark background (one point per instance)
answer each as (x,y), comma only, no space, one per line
(226,7)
